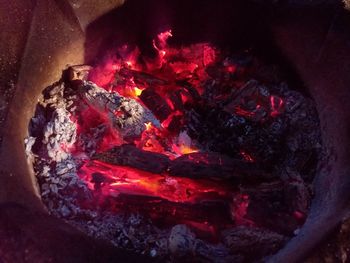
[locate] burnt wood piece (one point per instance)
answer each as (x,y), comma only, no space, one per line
(78,72)
(155,103)
(126,115)
(190,89)
(175,124)
(271,208)
(141,78)
(129,155)
(213,166)
(278,206)
(176,100)
(253,242)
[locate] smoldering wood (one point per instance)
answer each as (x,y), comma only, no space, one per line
(253,242)
(270,206)
(176,100)
(190,89)
(142,78)
(78,72)
(124,114)
(130,155)
(155,103)
(213,166)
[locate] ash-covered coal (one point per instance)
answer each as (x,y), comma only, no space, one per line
(125,115)
(193,155)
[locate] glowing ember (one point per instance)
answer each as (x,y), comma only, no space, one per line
(137,92)
(125,180)
(276,105)
(128,63)
(246,156)
(184,149)
(148,126)
(168,85)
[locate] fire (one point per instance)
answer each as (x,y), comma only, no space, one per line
(148,126)
(126,180)
(276,105)
(129,85)
(184,149)
(137,92)
(169,84)
(240,208)
(209,55)
(163,37)
(129,64)
(187,150)
(177,137)
(115,67)
(149,140)
(180,67)
(246,156)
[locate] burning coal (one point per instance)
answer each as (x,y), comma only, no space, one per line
(191,145)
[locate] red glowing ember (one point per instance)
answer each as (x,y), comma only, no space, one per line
(115,180)
(276,105)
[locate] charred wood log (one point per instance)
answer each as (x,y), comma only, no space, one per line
(129,155)
(270,207)
(124,114)
(256,242)
(155,103)
(141,78)
(176,100)
(212,166)
(195,165)
(176,123)
(78,72)
(190,89)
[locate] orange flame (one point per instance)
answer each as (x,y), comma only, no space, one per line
(130,180)
(183,149)
(187,149)
(137,92)
(148,126)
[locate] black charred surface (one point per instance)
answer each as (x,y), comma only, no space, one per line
(155,103)
(129,155)
(213,166)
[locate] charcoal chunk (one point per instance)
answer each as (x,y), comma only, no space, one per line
(252,241)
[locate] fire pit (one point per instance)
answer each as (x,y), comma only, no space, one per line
(212,130)
(192,152)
